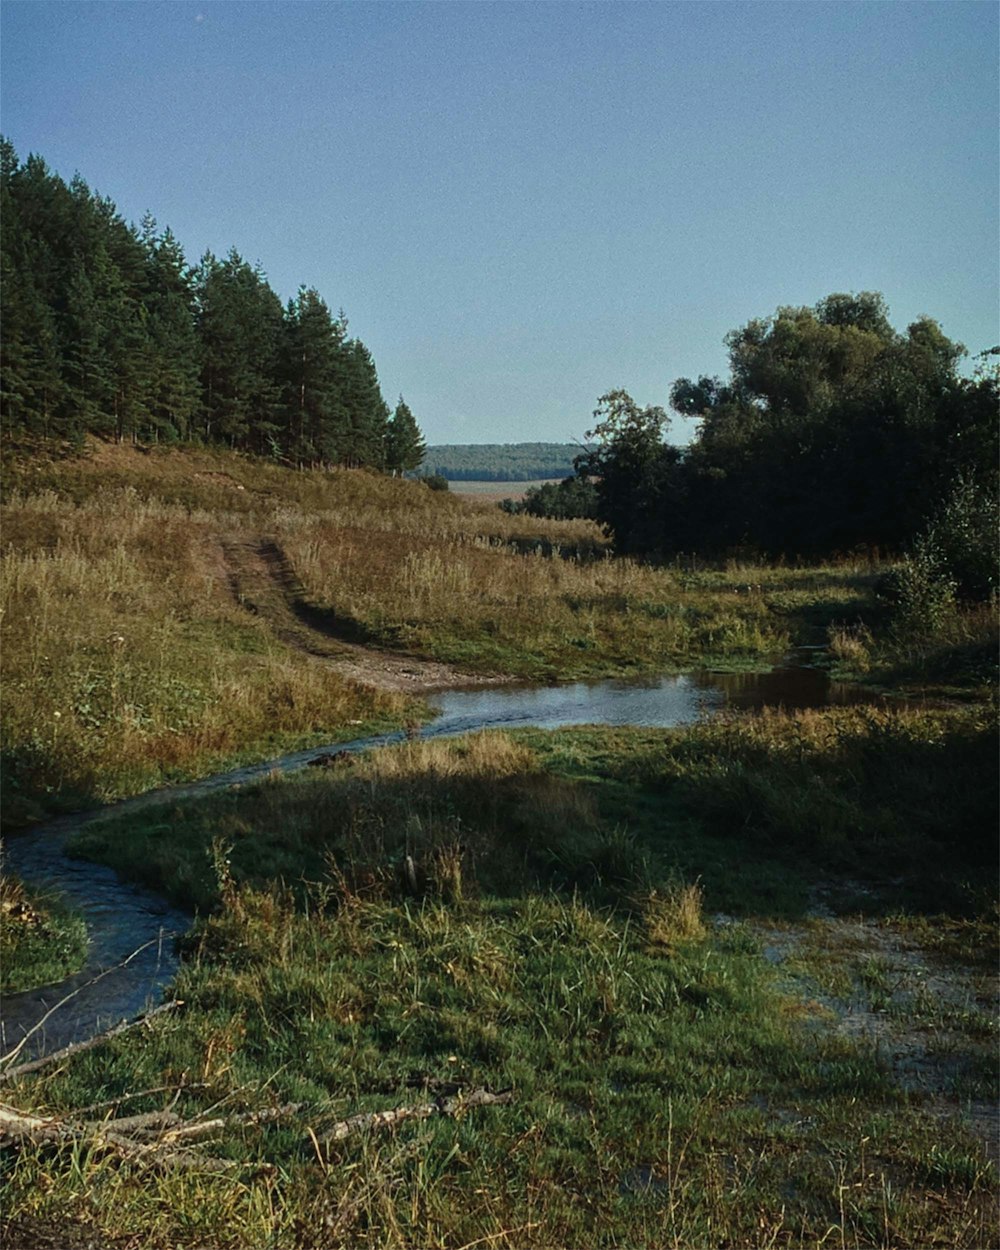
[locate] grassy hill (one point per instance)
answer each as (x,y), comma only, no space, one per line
(165,612)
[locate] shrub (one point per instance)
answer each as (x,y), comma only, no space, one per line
(435,481)
(566,500)
(966,539)
(955,560)
(920,591)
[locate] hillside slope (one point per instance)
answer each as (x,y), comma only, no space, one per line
(168,611)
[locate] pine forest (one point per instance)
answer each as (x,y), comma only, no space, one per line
(108,330)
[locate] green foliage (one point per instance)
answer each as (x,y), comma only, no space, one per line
(965,536)
(404,444)
(833,433)
(435,481)
(955,559)
(631,468)
(315,420)
(566,500)
(108,331)
(920,591)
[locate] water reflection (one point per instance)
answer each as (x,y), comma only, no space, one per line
(646,702)
(122,918)
(790,688)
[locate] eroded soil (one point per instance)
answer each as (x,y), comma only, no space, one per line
(929,1009)
(263,582)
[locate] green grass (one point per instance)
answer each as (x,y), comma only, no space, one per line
(531,911)
(41,942)
(757,808)
(666,1092)
(522,911)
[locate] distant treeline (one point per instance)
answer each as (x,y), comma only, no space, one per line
(108,330)
(501,462)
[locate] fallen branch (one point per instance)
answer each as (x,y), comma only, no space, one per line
(202,1128)
(76,1048)
(158,1138)
(423,1111)
(16,1128)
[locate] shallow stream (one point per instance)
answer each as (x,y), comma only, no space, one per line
(131,956)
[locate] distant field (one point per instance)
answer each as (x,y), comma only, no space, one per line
(497,490)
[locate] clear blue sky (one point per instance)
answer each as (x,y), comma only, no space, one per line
(522,205)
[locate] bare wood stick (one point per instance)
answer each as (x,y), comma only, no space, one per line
(76,1048)
(151,1121)
(202,1128)
(13,1054)
(16,1128)
(423,1111)
(159,1132)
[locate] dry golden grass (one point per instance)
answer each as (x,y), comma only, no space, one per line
(127,660)
(129,657)
(673,914)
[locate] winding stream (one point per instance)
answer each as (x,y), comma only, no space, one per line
(131,956)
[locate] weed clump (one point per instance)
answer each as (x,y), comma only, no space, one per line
(672,914)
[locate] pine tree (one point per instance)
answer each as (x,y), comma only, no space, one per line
(30,376)
(240,327)
(168,303)
(315,419)
(367,414)
(404,444)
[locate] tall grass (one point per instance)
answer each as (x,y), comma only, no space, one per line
(665,1094)
(906,797)
(127,661)
(129,658)
(422,819)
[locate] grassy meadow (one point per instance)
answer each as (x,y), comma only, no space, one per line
(539,913)
(141,647)
(732,985)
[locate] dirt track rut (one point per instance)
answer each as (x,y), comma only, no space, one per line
(263,582)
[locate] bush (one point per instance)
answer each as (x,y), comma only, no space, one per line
(955,560)
(920,592)
(567,500)
(435,481)
(966,538)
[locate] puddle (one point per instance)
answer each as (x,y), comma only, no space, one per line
(658,702)
(133,925)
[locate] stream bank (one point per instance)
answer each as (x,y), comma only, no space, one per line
(133,931)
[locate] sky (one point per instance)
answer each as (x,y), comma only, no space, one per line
(521,206)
